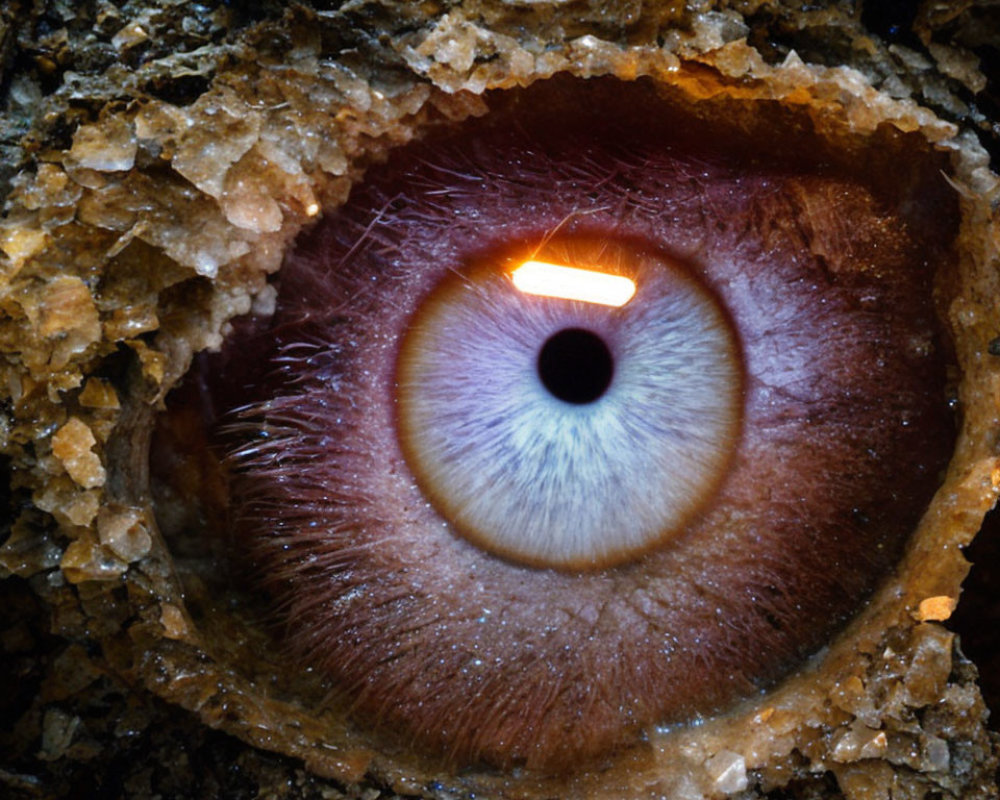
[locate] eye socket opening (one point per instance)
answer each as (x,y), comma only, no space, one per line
(244,636)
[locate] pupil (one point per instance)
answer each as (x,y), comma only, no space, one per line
(575,365)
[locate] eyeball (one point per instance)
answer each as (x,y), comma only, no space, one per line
(309,443)
(728,491)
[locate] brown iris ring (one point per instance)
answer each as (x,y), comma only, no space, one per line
(524,473)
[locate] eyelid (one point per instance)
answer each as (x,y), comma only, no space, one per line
(200,255)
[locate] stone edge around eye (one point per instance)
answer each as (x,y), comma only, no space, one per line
(264,180)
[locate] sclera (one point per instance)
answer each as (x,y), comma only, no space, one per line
(812,714)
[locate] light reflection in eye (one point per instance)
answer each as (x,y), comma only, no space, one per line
(572,283)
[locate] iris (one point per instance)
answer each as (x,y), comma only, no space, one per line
(566,433)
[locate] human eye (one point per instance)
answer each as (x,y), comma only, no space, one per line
(316,568)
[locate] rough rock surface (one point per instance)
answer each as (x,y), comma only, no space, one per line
(157,159)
